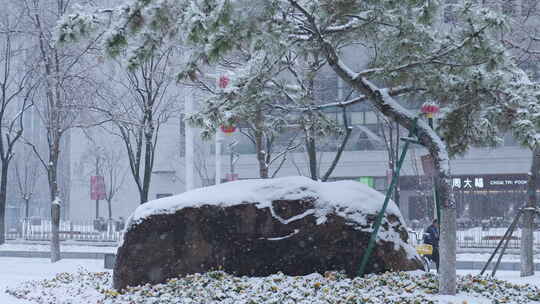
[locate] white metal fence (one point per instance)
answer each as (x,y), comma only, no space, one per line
(40,230)
(109,231)
(480,238)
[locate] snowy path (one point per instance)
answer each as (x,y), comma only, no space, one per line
(17,270)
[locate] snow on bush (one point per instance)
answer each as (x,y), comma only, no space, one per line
(218,287)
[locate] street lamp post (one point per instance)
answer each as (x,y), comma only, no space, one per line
(97,196)
(189,141)
(218,157)
(223,82)
(232,160)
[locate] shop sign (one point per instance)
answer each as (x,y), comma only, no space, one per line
(489,182)
(97,188)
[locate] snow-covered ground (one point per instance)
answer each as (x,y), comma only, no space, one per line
(16,270)
(63,247)
(482,257)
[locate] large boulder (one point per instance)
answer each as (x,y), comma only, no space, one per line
(260,227)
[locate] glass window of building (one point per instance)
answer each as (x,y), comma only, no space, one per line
(358,118)
(509,7)
(449,13)
(528,7)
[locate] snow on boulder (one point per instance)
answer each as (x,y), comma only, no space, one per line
(292,225)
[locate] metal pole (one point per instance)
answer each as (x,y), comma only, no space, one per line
(389,191)
(437,201)
(500,243)
(95,186)
(218,138)
(396,190)
(189,141)
(231,160)
(495,251)
(435,188)
(218,157)
(512,228)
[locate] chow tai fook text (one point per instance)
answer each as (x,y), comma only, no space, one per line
(489,182)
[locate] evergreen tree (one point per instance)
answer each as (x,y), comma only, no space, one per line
(381,48)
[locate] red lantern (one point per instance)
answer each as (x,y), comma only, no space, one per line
(430,109)
(223,82)
(228,130)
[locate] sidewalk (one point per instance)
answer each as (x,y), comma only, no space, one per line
(66,242)
(478,265)
(468,258)
(69,249)
(47,254)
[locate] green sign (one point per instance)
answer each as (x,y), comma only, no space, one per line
(368,180)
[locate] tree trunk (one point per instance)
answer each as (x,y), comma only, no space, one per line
(311,143)
(109,204)
(311,148)
(527,232)
(26,217)
(148,161)
(147,175)
(261,157)
(447,240)
(26,208)
(341,148)
(144,195)
(55,204)
(55,231)
(3,195)
(259,134)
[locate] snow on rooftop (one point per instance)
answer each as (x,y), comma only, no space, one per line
(351,195)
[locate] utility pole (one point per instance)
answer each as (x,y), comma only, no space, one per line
(233,159)
(222,83)
(96,185)
(189,140)
(218,157)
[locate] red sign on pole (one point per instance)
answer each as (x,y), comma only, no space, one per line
(223,81)
(97,188)
(232,177)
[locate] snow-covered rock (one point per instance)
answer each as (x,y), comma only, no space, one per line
(259,227)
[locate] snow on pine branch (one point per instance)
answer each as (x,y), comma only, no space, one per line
(397,109)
